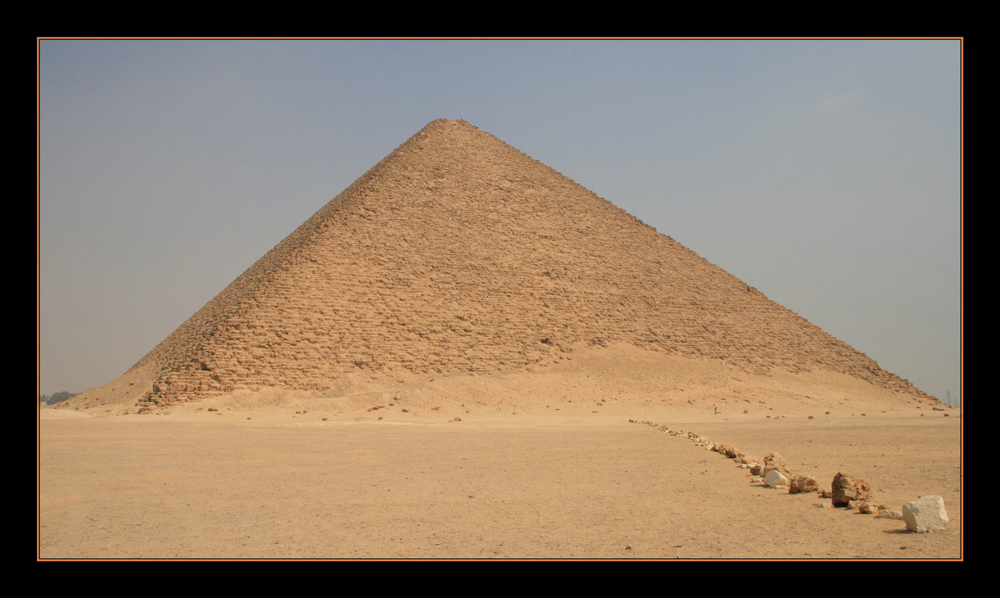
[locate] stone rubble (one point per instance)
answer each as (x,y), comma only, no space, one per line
(922,515)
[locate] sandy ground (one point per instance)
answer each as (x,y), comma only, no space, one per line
(515,478)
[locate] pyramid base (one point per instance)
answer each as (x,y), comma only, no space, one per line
(620,377)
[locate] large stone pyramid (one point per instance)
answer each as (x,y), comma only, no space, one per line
(457,253)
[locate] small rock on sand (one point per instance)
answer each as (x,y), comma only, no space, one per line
(864,507)
(876,508)
(846,488)
(801,483)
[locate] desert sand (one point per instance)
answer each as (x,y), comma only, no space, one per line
(542,464)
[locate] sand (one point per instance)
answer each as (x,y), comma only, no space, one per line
(543,464)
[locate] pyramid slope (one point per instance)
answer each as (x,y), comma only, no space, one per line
(457,253)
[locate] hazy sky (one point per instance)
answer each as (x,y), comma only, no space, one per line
(825,173)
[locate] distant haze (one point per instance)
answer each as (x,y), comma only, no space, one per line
(827,174)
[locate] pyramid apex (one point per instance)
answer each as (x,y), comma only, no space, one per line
(444,122)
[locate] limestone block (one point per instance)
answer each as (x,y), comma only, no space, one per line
(774,461)
(775,479)
(925,514)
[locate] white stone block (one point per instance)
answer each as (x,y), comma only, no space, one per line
(775,479)
(925,514)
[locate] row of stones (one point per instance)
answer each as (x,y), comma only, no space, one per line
(925,514)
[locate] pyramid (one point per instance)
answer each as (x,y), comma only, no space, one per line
(457,253)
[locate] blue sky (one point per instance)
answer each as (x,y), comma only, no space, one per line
(826,173)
